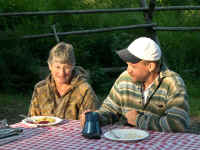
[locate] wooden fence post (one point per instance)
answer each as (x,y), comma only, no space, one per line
(148,16)
(55,33)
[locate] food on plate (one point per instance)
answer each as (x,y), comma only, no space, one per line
(126,134)
(42,120)
(133,136)
(130,135)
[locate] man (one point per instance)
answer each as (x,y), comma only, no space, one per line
(65,93)
(148,95)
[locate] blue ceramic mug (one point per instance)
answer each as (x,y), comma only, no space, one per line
(91,129)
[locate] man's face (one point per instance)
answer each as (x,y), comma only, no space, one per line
(61,72)
(138,71)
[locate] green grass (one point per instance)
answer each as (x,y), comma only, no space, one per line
(194,106)
(194,98)
(12,105)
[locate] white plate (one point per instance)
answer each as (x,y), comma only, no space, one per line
(35,120)
(126,134)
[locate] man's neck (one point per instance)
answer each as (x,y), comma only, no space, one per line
(150,79)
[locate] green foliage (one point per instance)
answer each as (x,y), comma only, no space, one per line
(18,68)
(180,48)
(93,51)
(20,59)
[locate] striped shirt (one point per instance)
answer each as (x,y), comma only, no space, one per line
(166,108)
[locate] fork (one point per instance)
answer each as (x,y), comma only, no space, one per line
(27,118)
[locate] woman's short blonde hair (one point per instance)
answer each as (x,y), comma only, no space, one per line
(63,53)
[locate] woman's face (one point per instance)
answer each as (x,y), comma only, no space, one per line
(61,72)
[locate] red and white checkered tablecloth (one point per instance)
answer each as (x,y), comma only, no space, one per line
(68,136)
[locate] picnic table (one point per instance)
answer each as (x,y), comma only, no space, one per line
(67,135)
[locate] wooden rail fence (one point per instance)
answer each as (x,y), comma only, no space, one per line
(147,8)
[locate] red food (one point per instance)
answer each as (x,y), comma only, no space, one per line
(43,122)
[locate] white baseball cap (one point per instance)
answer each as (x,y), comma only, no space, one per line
(142,48)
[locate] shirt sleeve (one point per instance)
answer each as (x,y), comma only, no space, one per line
(175,118)
(110,110)
(34,109)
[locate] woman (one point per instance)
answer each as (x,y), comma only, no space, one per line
(65,93)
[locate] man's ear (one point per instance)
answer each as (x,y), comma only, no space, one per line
(152,66)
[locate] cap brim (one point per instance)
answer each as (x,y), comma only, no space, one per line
(126,56)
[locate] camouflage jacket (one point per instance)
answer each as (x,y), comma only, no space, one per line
(80,97)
